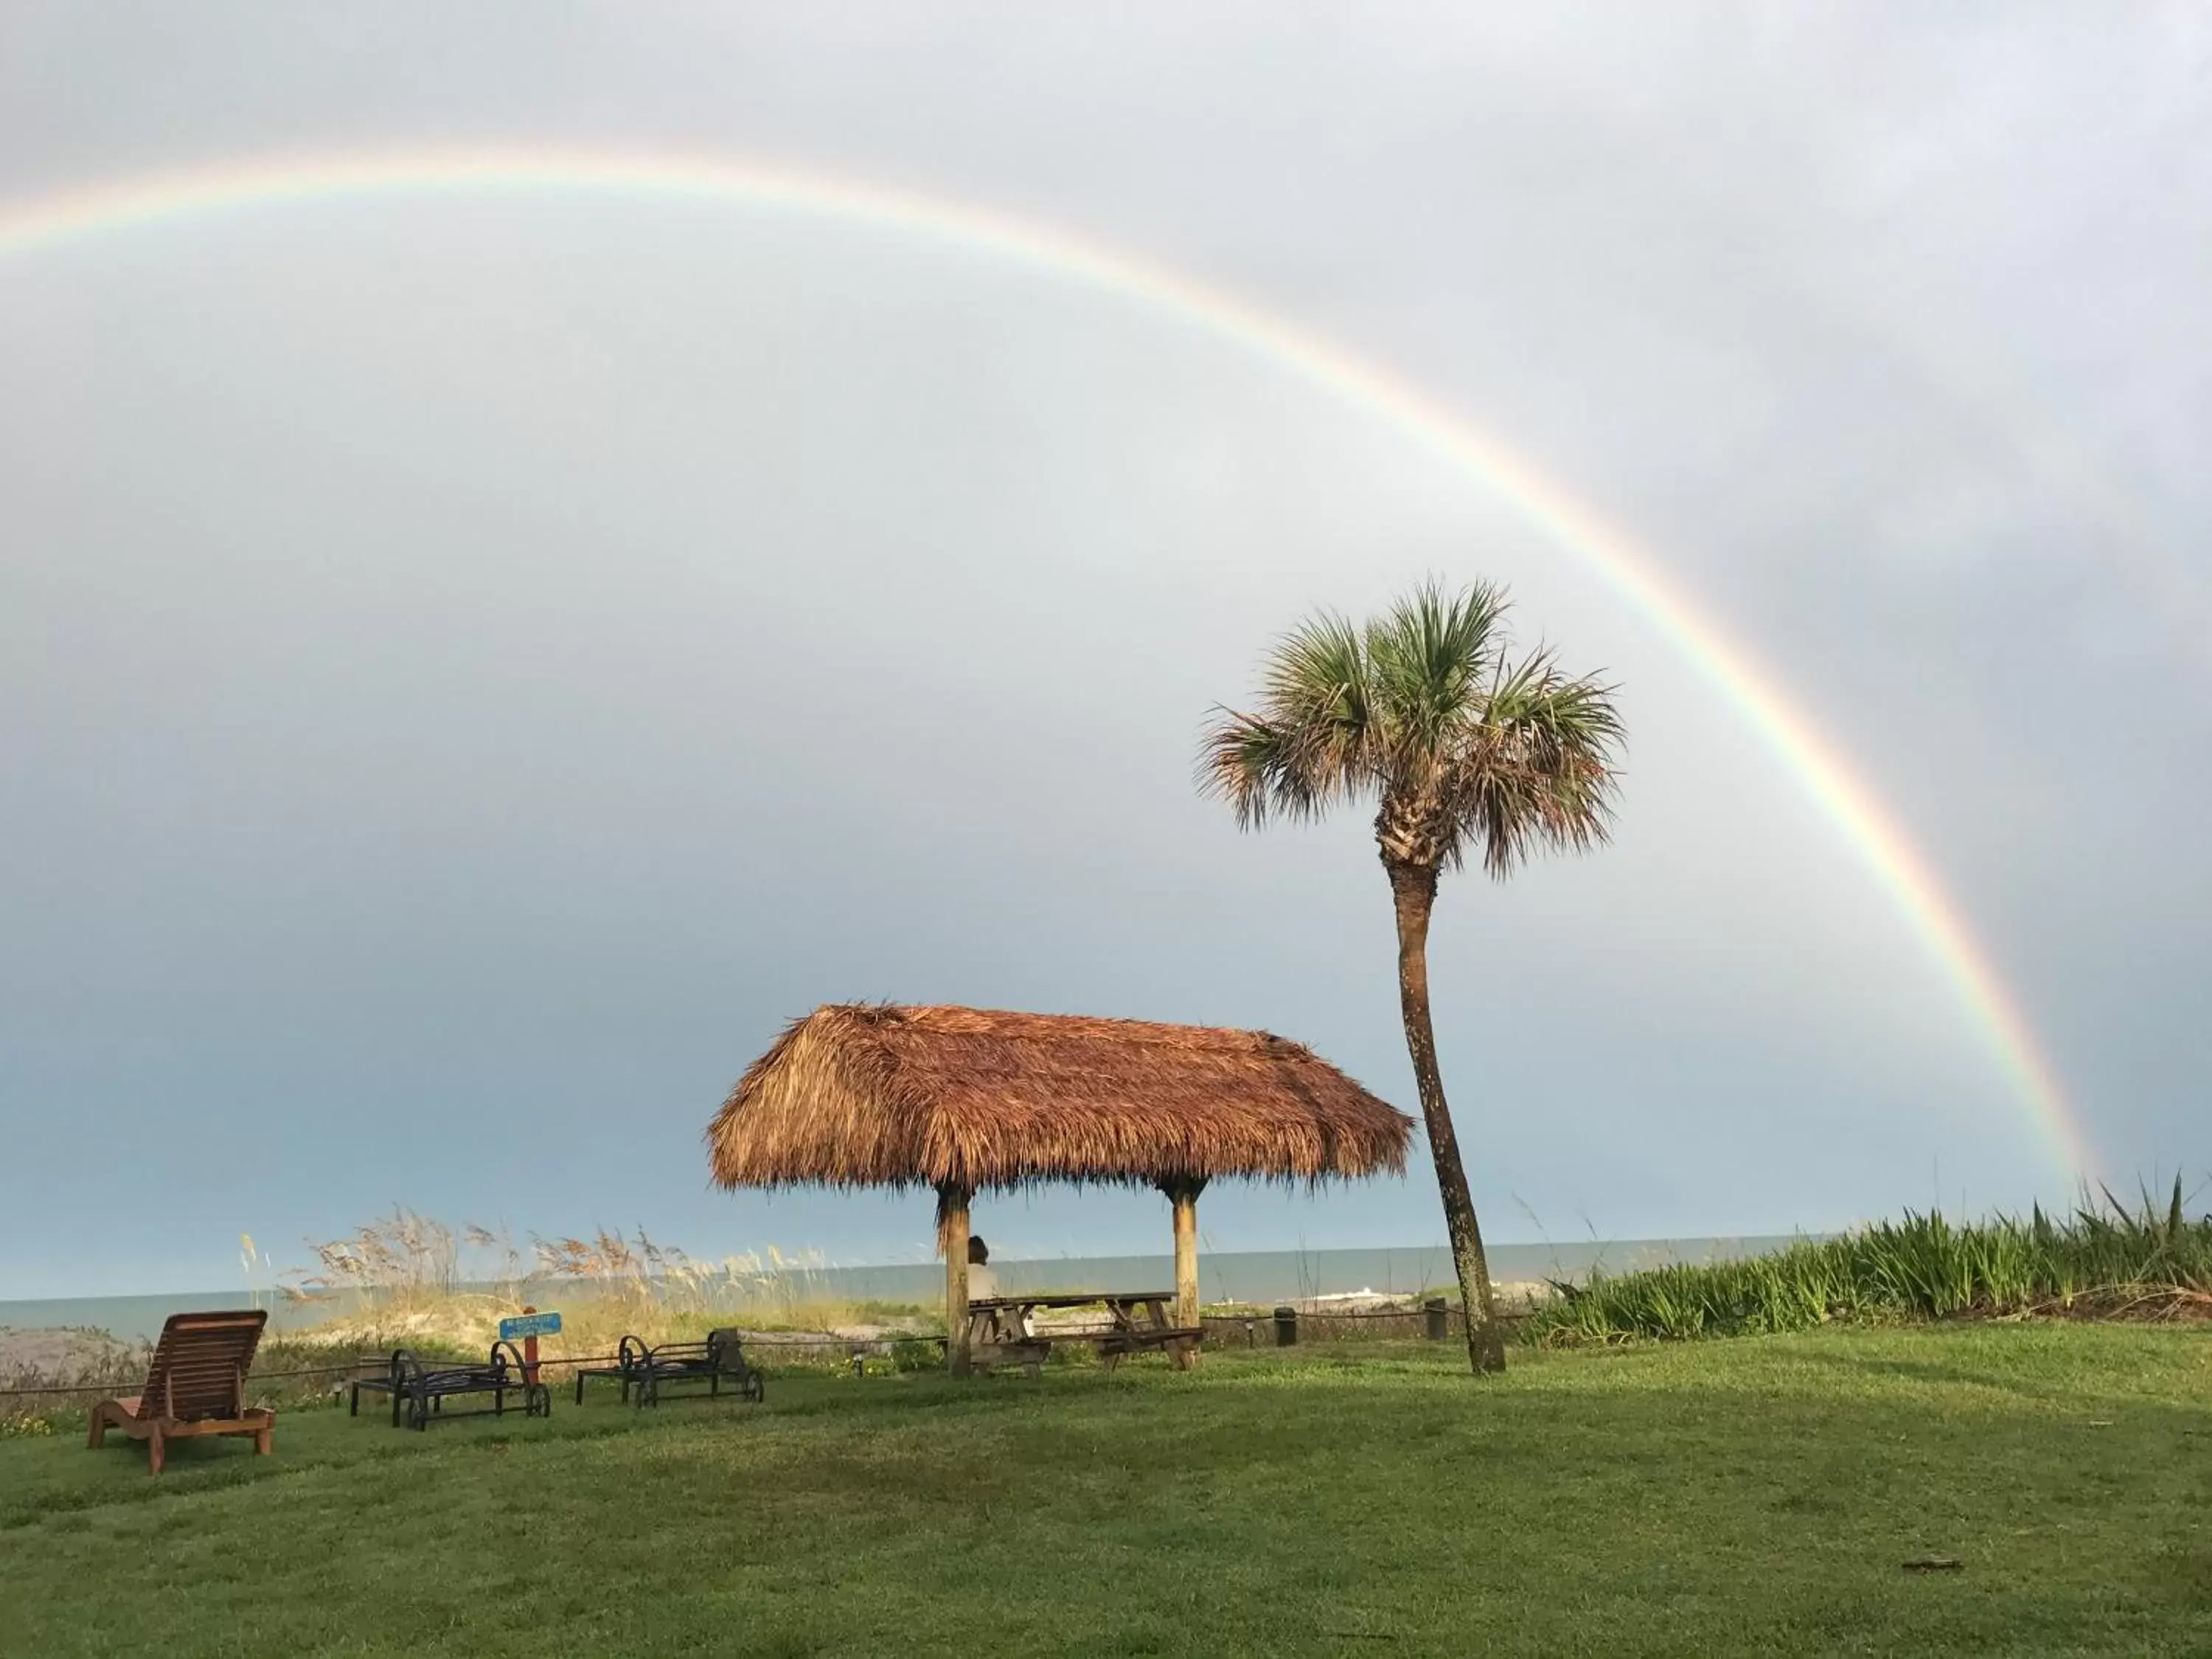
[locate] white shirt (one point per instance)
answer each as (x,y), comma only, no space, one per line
(982,1283)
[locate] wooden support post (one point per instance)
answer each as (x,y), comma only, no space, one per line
(1183,1194)
(952,1239)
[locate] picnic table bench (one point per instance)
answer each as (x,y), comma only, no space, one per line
(421,1388)
(1001,1330)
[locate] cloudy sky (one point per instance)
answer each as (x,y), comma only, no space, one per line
(473,663)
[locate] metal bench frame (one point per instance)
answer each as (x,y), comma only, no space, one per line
(628,1355)
(720,1358)
(421,1390)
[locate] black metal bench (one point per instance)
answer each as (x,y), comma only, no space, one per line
(628,1355)
(387,1383)
(420,1389)
(720,1358)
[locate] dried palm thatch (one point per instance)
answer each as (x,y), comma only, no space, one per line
(854,1096)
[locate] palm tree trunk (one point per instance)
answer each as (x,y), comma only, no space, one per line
(1413,888)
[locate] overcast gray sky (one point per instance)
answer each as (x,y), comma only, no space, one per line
(472,666)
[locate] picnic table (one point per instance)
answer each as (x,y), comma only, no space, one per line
(1002,1332)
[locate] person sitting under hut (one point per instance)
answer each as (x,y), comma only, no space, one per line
(982,1283)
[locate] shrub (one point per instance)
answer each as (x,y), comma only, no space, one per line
(2104,1258)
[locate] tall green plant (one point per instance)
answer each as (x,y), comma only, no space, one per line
(2105,1258)
(1466,752)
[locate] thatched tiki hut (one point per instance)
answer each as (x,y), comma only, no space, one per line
(965,1099)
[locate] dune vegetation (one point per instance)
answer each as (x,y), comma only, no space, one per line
(408,1278)
(2107,1259)
(399,1281)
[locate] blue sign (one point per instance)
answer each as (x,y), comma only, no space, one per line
(522,1325)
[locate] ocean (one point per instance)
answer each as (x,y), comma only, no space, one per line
(1251,1276)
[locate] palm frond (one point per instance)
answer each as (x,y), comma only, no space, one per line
(1318,670)
(1306,749)
(1539,769)
(1431,655)
(1467,750)
(1246,761)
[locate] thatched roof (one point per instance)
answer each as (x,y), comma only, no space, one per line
(874,1096)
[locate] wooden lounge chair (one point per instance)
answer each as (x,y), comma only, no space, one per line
(196,1385)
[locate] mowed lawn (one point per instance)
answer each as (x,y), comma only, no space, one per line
(1755,1497)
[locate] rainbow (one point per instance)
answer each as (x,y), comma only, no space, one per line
(143,201)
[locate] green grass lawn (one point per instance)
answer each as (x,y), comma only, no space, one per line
(1754,1496)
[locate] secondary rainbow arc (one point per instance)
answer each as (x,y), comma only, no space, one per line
(1635,573)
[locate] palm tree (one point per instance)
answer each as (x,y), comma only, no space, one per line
(1468,754)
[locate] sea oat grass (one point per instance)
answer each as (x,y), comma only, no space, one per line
(405,1281)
